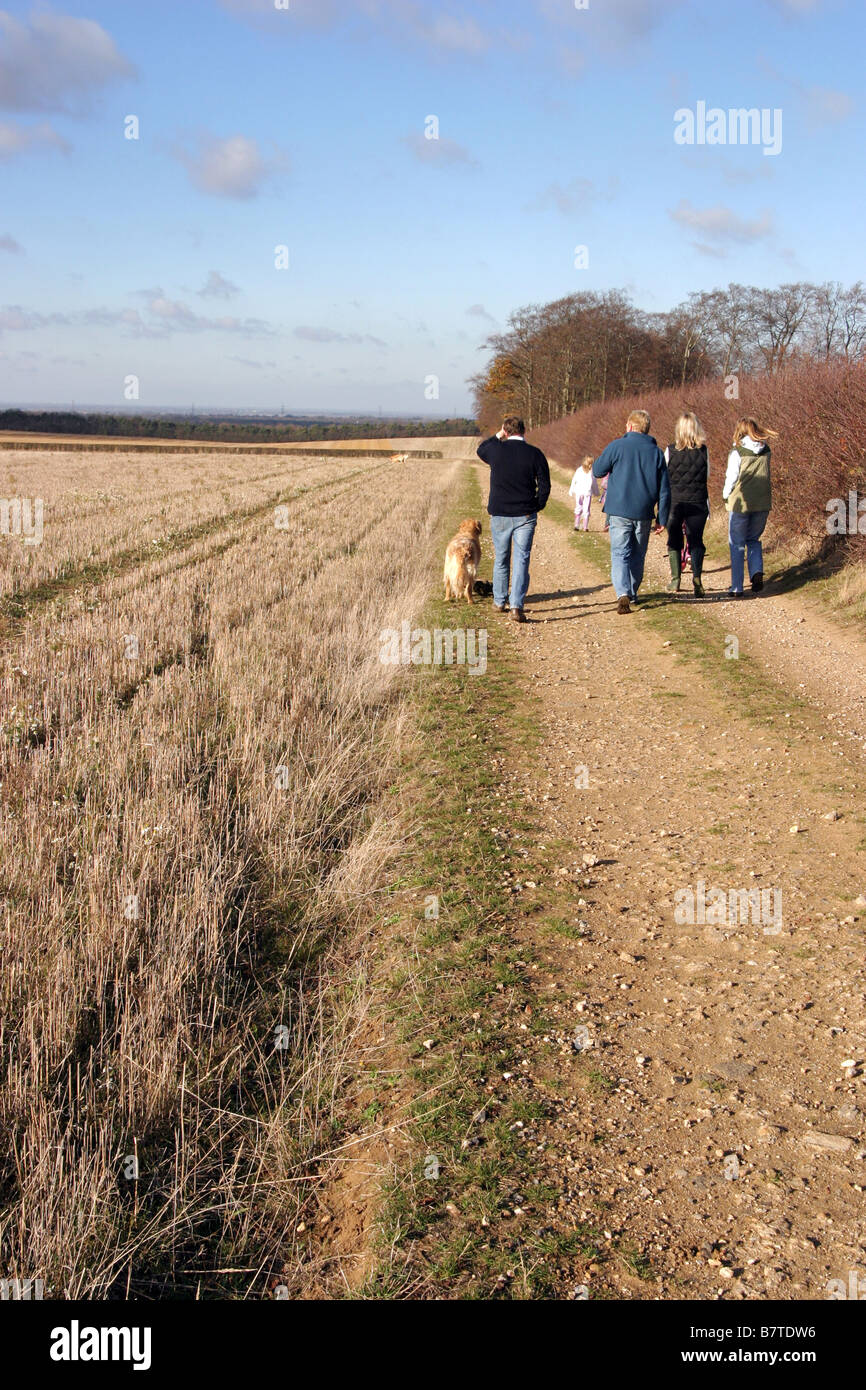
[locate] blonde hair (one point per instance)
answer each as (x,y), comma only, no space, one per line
(640,419)
(688,433)
(586,462)
(758,432)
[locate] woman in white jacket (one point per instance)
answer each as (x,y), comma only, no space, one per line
(748,497)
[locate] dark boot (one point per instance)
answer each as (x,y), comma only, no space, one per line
(697,567)
(676,560)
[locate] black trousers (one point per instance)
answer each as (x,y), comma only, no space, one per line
(694,519)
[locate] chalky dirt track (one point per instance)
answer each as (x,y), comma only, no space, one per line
(712,1128)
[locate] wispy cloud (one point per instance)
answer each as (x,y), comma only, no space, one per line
(234,167)
(174,315)
(17,139)
(720,226)
(571,60)
(445,31)
(796,7)
(478,311)
(56,62)
(8,243)
(826,105)
(578,195)
(439,152)
(821,105)
(218,287)
(619,27)
(315,334)
(160,318)
(404,19)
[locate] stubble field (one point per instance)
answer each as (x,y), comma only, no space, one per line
(195,733)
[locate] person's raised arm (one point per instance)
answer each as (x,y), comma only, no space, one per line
(487,447)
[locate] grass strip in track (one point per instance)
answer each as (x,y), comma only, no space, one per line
(461,984)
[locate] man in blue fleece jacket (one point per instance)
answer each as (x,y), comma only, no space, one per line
(638,484)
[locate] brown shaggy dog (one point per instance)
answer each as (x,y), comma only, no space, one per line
(462,559)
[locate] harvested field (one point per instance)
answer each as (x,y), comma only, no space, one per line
(195,731)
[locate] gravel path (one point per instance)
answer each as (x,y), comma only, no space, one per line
(797,643)
(699,1115)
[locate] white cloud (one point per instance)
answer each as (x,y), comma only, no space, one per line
(721,224)
(16,139)
(56,62)
(478,311)
(8,243)
(229,168)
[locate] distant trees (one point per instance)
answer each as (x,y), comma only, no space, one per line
(263,430)
(554,358)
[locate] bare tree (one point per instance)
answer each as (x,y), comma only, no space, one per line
(777,319)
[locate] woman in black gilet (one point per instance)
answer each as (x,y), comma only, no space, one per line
(689,470)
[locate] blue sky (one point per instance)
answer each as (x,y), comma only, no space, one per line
(305,127)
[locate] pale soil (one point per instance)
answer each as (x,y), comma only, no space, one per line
(741,1033)
(797,642)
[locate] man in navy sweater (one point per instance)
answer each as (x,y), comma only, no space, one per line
(638,484)
(519,489)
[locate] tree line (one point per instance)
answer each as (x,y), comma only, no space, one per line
(223,431)
(555,358)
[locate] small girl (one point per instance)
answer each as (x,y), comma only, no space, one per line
(581,490)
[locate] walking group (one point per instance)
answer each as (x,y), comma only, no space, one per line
(642,489)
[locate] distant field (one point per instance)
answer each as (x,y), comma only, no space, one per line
(195,729)
(448,446)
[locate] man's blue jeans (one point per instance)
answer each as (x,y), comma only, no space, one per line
(506,531)
(745,530)
(628,542)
